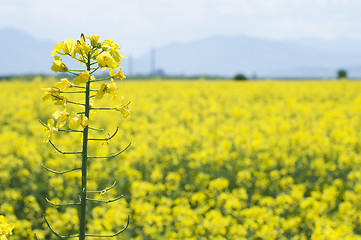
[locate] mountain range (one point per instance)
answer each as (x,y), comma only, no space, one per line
(217,55)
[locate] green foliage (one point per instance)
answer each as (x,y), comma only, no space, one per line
(341,74)
(240,77)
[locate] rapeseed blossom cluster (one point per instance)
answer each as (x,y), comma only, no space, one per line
(96,55)
(213,160)
(5,228)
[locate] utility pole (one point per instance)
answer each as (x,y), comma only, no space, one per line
(152,61)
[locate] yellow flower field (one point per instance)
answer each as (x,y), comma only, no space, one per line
(208,160)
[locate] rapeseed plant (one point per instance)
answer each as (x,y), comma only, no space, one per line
(94,56)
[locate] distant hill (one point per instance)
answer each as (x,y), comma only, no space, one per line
(338,45)
(218,55)
(227,56)
(22,53)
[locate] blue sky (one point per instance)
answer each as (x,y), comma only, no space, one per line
(138,25)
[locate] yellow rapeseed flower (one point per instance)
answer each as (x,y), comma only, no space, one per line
(57,48)
(82,78)
(5,228)
(77,120)
(50,130)
(116,55)
(60,100)
(58,65)
(49,92)
(62,116)
(109,44)
(117,75)
(64,84)
(112,89)
(105,60)
(107,88)
(83,48)
(67,46)
(101,91)
(93,40)
(124,109)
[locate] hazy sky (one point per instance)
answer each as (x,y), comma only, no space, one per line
(138,25)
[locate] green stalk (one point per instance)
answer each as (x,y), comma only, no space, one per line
(83,196)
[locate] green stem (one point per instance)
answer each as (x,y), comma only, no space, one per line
(83,195)
(102,79)
(102,108)
(73,73)
(77,58)
(73,86)
(78,86)
(98,54)
(94,70)
(72,91)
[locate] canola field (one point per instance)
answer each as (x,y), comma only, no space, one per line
(208,160)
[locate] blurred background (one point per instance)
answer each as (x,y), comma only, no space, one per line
(219,38)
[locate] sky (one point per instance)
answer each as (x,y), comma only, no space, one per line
(139,25)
